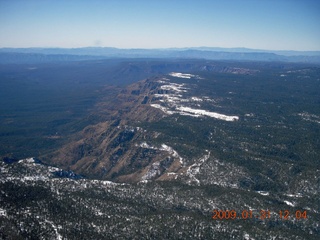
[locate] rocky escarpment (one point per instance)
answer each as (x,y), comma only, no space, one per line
(117,149)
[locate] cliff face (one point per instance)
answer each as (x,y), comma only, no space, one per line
(117,149)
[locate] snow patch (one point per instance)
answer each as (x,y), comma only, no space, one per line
(108,183)
(165,148)
(174,87)
(27,160)
(196,99)
(163,109)
(298,195)
(246,236)
(200,112)
(182,75)
(153,171)
(264,193)
(194,169)
(187,111)
(146,145)
(309,117)
(169,149)
(144,181)
(172,102)
(58,236)
(289,203)
(3,212)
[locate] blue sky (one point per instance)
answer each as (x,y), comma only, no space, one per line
(259,24)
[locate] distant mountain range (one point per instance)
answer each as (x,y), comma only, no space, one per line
(32,55)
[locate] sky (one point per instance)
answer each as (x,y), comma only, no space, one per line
(257,24)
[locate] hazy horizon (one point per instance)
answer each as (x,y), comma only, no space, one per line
(263,25)
(205,48)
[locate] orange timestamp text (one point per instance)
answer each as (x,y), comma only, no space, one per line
(262,215)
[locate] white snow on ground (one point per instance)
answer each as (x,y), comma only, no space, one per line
(172,102)
(3,212)
(187,111)
(181,75)
(165,148)
(171,98)
(209,99)
(264,193)
(163,109)
(171,151)
(298,195)
(108,183)
(146,145)
(174,87)
(289,203)
(194,169)
(27,160)
(198,112)
(153,171)
(196,99)
(246,236)
(58,236)
(309,117)
(42,173)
